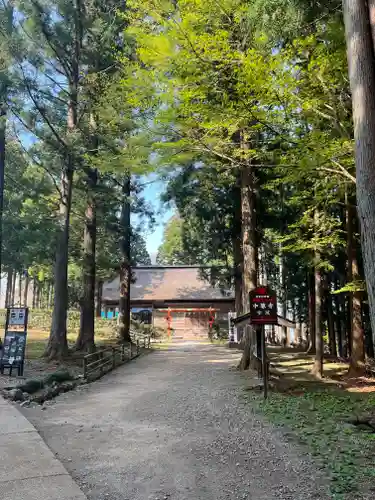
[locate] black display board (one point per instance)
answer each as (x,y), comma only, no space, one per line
(14,345)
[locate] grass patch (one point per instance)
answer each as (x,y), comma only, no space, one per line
(37,341)
(219,342)
(161,346)
(318,419)
(34,349)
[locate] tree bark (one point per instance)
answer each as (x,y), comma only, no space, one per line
(237,246)
(3,117)
(338,321)
(26,291)
(48,295)
(368,337)
(57,347)
(8,22)
(125,266)
(13,297)
(250,253)
(86,337)
(38,288)
(330,320)
(360,52)
(318,363)
(9,288)
(20,289)
(284,329)
(285,339)
(317,369)
(311,297)
(98,301)
(51,296)
(34,292)
(357,344)
(237,257)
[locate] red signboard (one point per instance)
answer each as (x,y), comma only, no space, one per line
(263,306)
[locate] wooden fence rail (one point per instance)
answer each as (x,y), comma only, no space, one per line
(106,359)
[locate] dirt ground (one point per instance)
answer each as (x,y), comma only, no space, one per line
(175,425)
(292,369)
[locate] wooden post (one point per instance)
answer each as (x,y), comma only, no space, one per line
(170,323)
(113,358)
(264,362)
(100,364)
(84,367)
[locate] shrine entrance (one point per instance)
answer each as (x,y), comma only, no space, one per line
(185,323)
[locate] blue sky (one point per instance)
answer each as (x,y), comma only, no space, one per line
(152,194)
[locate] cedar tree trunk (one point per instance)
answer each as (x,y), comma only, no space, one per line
(250,253)
(125,267)
(360,52)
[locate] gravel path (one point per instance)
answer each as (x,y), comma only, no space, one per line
(172,426)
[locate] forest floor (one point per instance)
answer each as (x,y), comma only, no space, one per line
(324,415)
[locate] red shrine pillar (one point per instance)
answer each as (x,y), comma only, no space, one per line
(168,317)
(211,319)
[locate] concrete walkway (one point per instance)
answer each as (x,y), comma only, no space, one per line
(28,468)
(174,425)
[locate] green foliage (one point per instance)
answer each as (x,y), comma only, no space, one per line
(353,286)
(147,330)
(58,63)
(31,386)
(196,91)
(226,85)
(34,385)
(58,377)
(138,329)
(171,251)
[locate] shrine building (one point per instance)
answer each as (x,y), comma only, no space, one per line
(178,297)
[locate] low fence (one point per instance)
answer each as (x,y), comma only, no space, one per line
(96,364)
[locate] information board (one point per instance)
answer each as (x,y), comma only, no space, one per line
(263,306)
(14,348)
(14,345)
(17,316)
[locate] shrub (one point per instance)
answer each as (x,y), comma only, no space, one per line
(59,376)
(34,385)
(31,385)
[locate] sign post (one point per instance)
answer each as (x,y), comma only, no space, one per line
(264,363)
(13,355)
(263,311)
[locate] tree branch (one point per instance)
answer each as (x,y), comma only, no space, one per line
(42,113)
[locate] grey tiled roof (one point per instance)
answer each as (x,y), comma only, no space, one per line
(167,283)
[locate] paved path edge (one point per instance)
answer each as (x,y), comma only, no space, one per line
(29,470)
